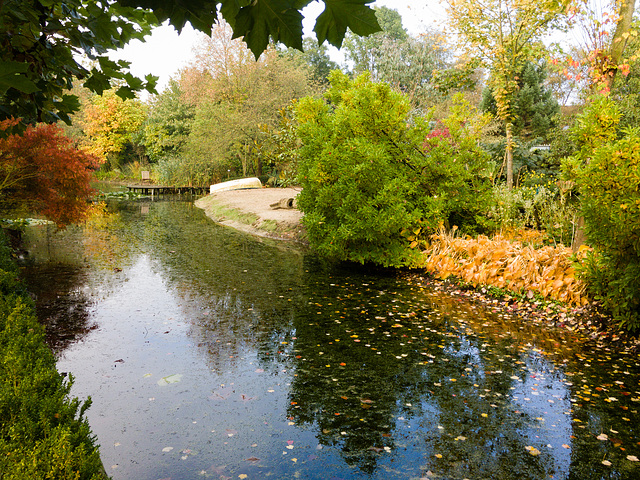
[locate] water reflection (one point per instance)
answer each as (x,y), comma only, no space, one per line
(218,356)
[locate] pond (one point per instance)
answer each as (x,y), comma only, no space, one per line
(209,353)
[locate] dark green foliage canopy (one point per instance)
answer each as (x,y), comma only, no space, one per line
(42,42)
(168,124)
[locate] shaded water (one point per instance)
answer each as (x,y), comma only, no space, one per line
(211,354)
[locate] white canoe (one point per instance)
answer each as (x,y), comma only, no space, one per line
(239,184)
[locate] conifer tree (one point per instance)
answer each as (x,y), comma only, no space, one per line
(534,106)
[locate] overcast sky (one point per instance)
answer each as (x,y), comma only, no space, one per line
(165,52)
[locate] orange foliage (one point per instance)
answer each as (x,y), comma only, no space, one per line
(507,264)
(43,169)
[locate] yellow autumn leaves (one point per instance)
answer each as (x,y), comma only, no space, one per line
(508,264)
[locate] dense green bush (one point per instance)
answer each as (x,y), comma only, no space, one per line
(376,182)
(43,434)
(607,173)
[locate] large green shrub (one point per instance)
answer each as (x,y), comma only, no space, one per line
(376,181)
(607,173)
(43,434)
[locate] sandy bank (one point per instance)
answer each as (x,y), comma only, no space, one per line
(249,210)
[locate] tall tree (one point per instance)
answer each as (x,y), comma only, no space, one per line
(168,124)
(233,96)
(533,106)
(505,34)
(110,125)
(364,52)
(409,65)
(42,42)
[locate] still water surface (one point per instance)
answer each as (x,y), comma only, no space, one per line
(211,354)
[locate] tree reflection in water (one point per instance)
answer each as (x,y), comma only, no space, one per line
(395,379)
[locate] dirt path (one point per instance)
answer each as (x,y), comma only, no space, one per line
(227,208)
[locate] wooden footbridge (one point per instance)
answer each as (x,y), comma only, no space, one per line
(153,190)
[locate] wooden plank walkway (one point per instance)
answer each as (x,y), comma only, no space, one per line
(148,189)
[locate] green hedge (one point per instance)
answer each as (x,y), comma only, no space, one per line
(43,433)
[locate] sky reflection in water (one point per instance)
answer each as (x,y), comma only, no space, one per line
(209,354)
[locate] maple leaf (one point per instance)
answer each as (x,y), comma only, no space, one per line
(332,23)
(279,19)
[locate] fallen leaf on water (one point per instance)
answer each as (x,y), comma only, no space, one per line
(375,449)
(242,475)
(602,436)
(252,459)
(565,445)
(169,379)
(606,462)
(294,460)
(167,449)
(230,432)
(632,458)
(532,450)
(438,455)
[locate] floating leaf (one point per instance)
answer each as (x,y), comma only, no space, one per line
(169,379)
(532,450)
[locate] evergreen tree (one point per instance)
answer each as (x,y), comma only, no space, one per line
(168,124)
(534,107)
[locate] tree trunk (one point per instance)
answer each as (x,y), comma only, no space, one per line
(509,155)
(619,40)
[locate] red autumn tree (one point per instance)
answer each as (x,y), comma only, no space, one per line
(43,170)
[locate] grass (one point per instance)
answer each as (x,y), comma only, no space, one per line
(223,212)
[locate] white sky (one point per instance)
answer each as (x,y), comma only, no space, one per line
(164,52)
